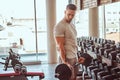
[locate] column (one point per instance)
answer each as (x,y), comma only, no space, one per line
(51,21)
(93,22)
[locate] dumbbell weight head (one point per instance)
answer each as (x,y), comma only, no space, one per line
(88,59)
(63,72)
(17,68)
(118,58)
(23,70)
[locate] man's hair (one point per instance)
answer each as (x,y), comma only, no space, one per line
(71,7)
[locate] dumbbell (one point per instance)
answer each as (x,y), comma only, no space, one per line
(64,72)
(23,69)
(107,46)
(17,68)
(94,66)
(97,49)
(110,77)
(101,51)
(118,58)
(101,74)
(20,69)
(15,61)
(115,70)
(112,55)
(92,48)
(107,51)
(94,73)
(97,70)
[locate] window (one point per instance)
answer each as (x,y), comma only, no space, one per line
(20,33)
(113,25)
(23,33)
(110,22)
(81,23)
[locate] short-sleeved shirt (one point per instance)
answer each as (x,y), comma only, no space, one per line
(68,31)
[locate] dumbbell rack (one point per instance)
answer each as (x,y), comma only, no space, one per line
(85,43)
(95,42)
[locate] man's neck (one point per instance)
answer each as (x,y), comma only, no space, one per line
(66,20)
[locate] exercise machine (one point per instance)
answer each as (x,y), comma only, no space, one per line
(20,70)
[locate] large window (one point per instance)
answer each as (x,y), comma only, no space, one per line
(60,8)
(23,27)
(82,23)
(112,14)
(101,20)
(109,21)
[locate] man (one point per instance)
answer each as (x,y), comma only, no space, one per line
(65,36)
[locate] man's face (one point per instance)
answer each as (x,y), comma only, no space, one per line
(69,14)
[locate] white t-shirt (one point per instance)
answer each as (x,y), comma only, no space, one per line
(68,31)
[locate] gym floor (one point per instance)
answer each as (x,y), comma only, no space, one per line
(48,70)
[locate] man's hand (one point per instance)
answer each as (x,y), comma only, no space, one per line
(81,60)
(70,66)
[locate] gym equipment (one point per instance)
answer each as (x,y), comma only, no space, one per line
(95,65)
(108,51)
(18,76)
(95,71)
(110,77)
(17,68)
(14,58)
(20,70)
(118,58)
(63,72)
(88,59)
(23,70)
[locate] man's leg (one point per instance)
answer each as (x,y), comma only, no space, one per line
(74,69)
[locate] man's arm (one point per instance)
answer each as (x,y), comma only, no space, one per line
(61,42)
